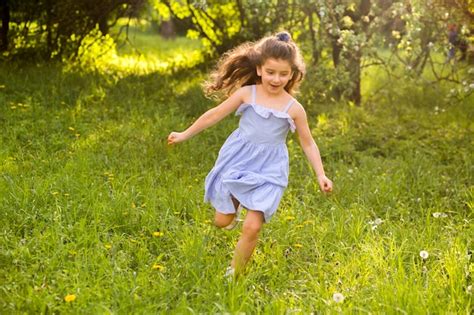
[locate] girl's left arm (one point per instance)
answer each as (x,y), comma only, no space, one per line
(309,147)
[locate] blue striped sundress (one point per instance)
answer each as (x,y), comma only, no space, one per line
(252,164)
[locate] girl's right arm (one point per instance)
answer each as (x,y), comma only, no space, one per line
(212,116)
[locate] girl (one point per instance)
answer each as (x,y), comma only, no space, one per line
(252,167)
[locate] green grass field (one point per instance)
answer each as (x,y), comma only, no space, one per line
(100,216)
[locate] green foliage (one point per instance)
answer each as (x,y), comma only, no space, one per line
(142,53)
(223,24)
(52,28)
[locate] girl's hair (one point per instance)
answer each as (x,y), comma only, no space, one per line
(238,66)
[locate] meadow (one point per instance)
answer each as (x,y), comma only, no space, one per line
(101,216)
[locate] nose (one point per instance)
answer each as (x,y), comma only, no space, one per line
(276,79)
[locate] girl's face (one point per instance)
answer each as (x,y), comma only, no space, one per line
(275,74)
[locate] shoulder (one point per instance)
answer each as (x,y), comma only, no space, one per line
(245,93)
(297,111)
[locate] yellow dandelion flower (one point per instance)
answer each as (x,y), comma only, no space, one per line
(54,193)
(289,218)
(158,233)
(157,267)
(71,128)
(297,245)
(70,298)
(108,246)
(299,226)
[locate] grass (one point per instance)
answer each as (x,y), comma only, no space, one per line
(87,181)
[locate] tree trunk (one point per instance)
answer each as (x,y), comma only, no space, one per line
(354,74)
(5,16)
(336,51)
(314,46)
(103,25)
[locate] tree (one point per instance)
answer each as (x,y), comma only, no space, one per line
(57,27)
(5,17)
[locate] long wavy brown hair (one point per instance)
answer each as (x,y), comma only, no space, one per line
(238,66)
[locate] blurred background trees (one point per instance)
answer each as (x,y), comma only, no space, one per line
(339,38)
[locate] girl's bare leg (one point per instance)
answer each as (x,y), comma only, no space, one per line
(222,220)
(248,240)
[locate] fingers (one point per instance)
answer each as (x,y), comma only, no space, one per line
(327,186)
(171,139)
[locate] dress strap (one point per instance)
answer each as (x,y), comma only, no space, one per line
(254,93)
(289,105)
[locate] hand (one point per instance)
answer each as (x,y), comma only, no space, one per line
(176,137)
(325,184)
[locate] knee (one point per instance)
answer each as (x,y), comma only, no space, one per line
(251,229)
(221,221)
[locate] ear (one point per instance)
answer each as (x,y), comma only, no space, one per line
(259,71)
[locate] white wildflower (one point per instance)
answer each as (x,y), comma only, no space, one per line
(469,289)
(338,297)
(424,254)
(439,215)
(430,44)
(471,86)
(378,221)
(350,171)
